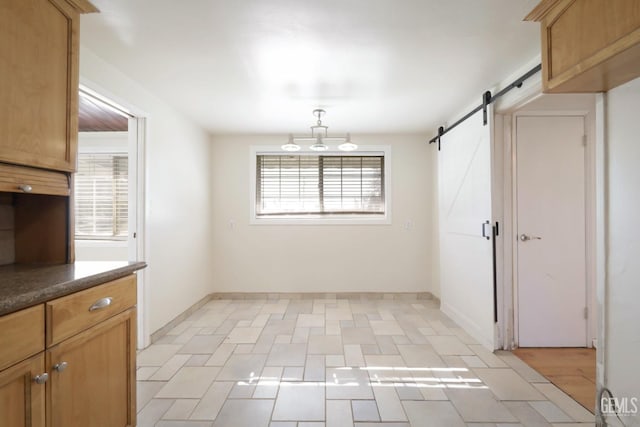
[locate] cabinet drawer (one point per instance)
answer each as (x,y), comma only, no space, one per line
(74,313)
(22,335)
(21,179)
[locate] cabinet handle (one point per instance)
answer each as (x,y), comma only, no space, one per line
(101,303)
(41,379)
(59,367)
(26,188)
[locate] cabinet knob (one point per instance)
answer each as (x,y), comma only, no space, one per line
(26,188)
(41,379)
(59,367)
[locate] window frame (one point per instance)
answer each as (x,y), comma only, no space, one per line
(102,240)
(319,219)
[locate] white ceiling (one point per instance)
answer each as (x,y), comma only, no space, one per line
(262,66)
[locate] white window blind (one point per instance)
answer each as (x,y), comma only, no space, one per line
(319,185)
(101,187)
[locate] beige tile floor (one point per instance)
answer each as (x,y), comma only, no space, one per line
(338,362)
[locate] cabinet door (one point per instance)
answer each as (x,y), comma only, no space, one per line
(92,379)
(39,84)
(21,398)
(588,45)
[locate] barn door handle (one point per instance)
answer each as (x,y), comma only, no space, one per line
(484,230)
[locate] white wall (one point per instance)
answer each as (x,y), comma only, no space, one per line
(102,250)
(325,258)
(622,313)
(178,196)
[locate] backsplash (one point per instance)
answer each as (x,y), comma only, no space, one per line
(7,232)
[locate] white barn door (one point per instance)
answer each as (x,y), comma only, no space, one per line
(466,246)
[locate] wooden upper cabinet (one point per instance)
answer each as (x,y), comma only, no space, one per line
(39,85)
(588,45)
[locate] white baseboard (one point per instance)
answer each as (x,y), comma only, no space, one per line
(468,325)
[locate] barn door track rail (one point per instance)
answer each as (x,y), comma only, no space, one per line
(487,98)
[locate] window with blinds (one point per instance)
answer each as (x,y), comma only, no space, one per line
(101,187)
(319,185)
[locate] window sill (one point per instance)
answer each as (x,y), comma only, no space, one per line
(85,243)
(320,220)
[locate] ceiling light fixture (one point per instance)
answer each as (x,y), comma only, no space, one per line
(319,136)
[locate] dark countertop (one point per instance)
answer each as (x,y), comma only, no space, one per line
(25,285)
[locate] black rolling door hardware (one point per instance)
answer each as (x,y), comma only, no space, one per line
(487,99)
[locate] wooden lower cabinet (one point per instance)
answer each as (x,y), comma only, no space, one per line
(92,380)
(22,400)
(85,375)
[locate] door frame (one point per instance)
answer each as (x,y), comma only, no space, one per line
(590,210)
(138,252)
(142,240)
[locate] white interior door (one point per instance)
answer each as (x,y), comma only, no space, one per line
(551,231)
(466,255)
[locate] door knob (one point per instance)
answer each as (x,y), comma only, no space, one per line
(525,237)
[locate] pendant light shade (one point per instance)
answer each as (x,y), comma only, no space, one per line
(347,145)
(319,145)
(290,146)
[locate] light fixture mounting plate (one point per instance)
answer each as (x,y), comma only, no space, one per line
(318,112)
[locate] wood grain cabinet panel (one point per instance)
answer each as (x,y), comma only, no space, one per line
(39,46)
(588,45)
(39,101)
(97,385)
(43,230)
(22,401)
